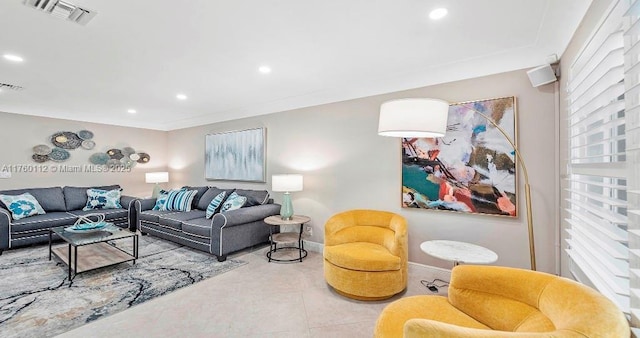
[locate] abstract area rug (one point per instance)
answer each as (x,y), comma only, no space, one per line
(37,301)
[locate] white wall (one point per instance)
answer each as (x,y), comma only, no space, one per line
(347,165)
(19,133)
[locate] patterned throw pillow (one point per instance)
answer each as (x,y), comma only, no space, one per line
(98,199)
(22,206)
(215,203)
(161,200)
(180,200)
(234,202)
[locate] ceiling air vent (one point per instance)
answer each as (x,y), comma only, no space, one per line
(63,10)
(10,86)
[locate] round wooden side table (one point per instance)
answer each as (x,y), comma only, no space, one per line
(286,237)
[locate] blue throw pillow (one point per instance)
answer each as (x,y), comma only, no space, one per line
(161,200)
(98,199)
(215,203)
(234,202)
(22,206)
(180,200)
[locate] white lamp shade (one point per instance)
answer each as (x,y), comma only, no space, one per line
(413,118)
(286,182)
(157,177)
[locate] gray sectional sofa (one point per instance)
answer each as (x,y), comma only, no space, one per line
(224,233)
(62,207)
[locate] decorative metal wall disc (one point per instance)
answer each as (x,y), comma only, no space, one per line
(85,134)
(144,158)
(99,158)
(126,151)
(115,154)
(40,158)
(42,150)
(66,140)
(59,155)
(88,144)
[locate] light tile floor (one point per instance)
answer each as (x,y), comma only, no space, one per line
(259,299)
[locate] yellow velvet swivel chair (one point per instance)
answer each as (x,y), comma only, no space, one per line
(365,254)
(491,301)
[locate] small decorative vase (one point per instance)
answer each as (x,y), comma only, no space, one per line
(286,210)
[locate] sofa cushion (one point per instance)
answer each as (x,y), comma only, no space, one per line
(75,198)
(362,256)
(208,196)
(174,220)
(152,216)
(233,202)
(22,206)
(48,220)
(196,199)
(51,199)
(215,204)
(199,227)
(180,200)
(110,215)
(254,197)
(98,199)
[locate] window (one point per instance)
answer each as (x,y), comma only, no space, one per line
(603,173)
(596,189)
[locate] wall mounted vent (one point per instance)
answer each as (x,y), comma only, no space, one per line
(10,86)
(63,10)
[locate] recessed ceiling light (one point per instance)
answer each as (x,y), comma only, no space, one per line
(181,97)
(131,111)
(13,58)
(264,69)
(438,13)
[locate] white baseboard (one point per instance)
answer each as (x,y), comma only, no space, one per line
(314,246)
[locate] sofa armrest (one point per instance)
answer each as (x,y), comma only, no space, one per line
(5,221)
(146,204)
(128,202)
(136,207)
(244,215)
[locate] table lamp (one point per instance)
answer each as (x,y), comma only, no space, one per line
(425,117)
(286,183)
(157,178)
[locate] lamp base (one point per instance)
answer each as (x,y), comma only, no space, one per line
(286,210)
(156,191)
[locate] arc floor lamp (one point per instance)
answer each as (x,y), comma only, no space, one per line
(424,117)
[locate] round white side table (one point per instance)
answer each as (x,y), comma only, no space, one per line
(459,252)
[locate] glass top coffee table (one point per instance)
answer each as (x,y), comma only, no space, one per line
(95,248)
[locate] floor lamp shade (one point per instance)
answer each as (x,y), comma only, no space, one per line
(286,183)
(157,178)
(413,118)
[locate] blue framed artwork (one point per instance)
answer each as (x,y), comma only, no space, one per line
(236,155)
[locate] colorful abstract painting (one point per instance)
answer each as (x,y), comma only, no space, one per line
(236,155)
(471,169)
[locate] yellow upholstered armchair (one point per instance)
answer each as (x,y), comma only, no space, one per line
(491,301)
(365,254)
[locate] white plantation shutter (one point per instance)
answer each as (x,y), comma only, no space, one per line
(595,216)
(632,120)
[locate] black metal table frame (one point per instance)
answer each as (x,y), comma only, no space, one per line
(71,276)
(273,246)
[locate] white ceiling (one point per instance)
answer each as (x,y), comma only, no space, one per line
(140,54)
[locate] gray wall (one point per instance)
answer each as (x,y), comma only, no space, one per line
(347,165)
(19,133)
